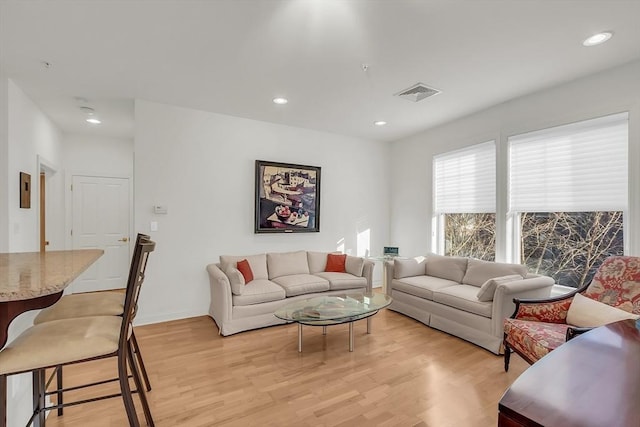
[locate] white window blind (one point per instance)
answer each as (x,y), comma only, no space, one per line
(465,180)
(579,167)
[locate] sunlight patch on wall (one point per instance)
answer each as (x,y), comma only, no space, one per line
(363,247)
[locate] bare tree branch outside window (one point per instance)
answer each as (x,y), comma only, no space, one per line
(569,246)
(471,235)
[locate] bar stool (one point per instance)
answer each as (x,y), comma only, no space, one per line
(86,305)
(69,341)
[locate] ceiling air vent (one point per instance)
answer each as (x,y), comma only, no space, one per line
(417,92)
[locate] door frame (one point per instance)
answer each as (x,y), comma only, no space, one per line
(49,169)
(69,203)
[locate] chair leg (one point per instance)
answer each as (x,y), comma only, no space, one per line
(507,356)
(125,389)
(136,350)
(59,385)
(141,393)
(3,401)
(38,382)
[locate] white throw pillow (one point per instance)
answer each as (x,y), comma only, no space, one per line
(354,265)
(408,267)
(235,278)
(587,313)
(479,271)
(488,288)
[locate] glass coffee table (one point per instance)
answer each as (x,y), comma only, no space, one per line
(333,310)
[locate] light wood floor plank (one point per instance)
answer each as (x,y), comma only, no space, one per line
(403,374)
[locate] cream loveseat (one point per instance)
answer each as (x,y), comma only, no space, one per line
(279,278)
(465,297)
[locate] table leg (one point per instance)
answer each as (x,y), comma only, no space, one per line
(350,336)
(324,330)
(299,337)
(368,325)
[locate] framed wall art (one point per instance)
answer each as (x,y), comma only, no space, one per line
(287,198)
(25,190)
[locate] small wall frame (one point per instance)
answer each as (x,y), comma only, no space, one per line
(25,190)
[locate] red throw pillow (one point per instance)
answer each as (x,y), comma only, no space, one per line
(244,268)
(335,263)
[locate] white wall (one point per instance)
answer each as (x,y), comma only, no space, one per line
(4,162)
(94,156)
(29,134)
(604,93)
(201,165)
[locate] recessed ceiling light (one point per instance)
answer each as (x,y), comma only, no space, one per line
(93,121)
(598,38)
(280,101)
(380,123)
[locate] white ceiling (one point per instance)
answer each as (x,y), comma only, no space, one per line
(233,57)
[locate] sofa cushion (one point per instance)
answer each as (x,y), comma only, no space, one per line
(478,271)
(258,264)
(409,267)
(317,261)
(588,313)
(259,291)
(236,279)
(299,284)
(287,263)
(488,288)
(447,267)
(354,265)
(339,281)
(421,286)
(463,297)
(534,339)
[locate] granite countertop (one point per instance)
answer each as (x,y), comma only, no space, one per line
(33,274)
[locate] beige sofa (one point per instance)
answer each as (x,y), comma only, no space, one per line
(465,297)
(279,278)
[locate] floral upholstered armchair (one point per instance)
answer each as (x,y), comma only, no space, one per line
(539,326)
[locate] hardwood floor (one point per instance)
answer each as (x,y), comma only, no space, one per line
(403,374)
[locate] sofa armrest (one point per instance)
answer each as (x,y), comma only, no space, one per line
(221,298)
(388,272)
(367,273)
(550,310)
(503,299)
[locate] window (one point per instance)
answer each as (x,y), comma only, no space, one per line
(568,194)
(465,202)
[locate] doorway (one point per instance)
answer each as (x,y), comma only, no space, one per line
(49,204)
(101,220)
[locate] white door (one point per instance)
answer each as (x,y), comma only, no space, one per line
(101,220)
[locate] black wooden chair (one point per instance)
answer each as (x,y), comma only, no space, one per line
(69,341)
(86,305)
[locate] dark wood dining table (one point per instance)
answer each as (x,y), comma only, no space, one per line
(35,280)
(591,381)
